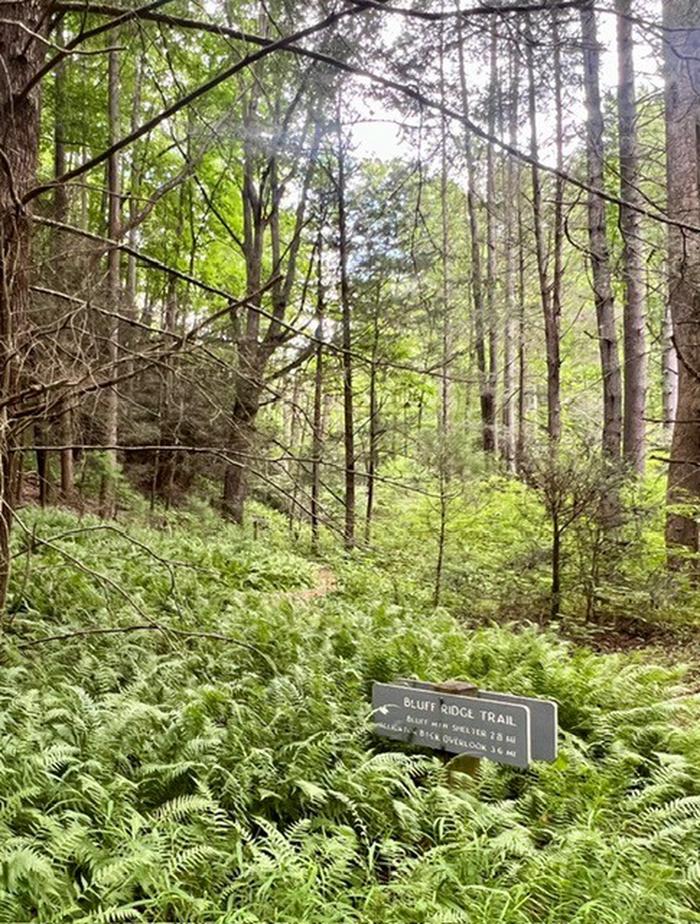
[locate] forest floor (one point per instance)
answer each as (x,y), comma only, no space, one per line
(148,776)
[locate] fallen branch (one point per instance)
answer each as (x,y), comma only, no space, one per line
(115,630)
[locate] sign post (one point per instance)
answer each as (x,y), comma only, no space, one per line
(456,717)
(462,763)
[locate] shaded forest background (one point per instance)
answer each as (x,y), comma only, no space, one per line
(418,271)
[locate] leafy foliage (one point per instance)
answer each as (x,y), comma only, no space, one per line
(155,777)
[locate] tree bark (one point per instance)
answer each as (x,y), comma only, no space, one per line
(682,60)
(21,53)
(552,334)
(60,207)
(346,312)
(443,422)
(486,403)
(248,382)
(512,194)
(669,382)
(598,243)
(521,446)
(558,245)
(635,379)
(108,487)
(491,302)
(374,430)
(317,445)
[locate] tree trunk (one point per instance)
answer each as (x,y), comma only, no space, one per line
(108,487)
(443,422)
(317,445)
(60,208)
(43,467)
(491,310)
(165,460)
(554,350)
(551,319)
(262,195)
(346,310)
(374,431)
(635,380)
(512,193)
(669,382)
(21,52)
(242,441)
(555,592)
(598,244)
(130,294)
(682,59)
(521,446)
(486,402)
(296,438)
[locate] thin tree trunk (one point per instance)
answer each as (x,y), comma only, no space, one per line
(443,435)
(512,192)
(555,592)
(598,243)
(346,310)
(164,467)
(635,380)
(682,54)
(317,446)
(554,367)
(108,488)
(292,467)
(552,333)
(521,439)
(491,309)
(374,431)
(130,294)
(486,403)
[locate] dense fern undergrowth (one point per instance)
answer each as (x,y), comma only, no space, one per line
(232,776)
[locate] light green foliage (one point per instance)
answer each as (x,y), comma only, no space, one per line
(146,776)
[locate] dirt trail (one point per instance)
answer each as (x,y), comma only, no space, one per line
(326,583)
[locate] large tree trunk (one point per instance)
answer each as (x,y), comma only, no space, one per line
(248,383)
(242,440)
(669,362)
(635,382)
(21,54)
(598,243)
(682,58)
(60,207)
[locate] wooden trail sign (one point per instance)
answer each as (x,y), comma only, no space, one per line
(497,726)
